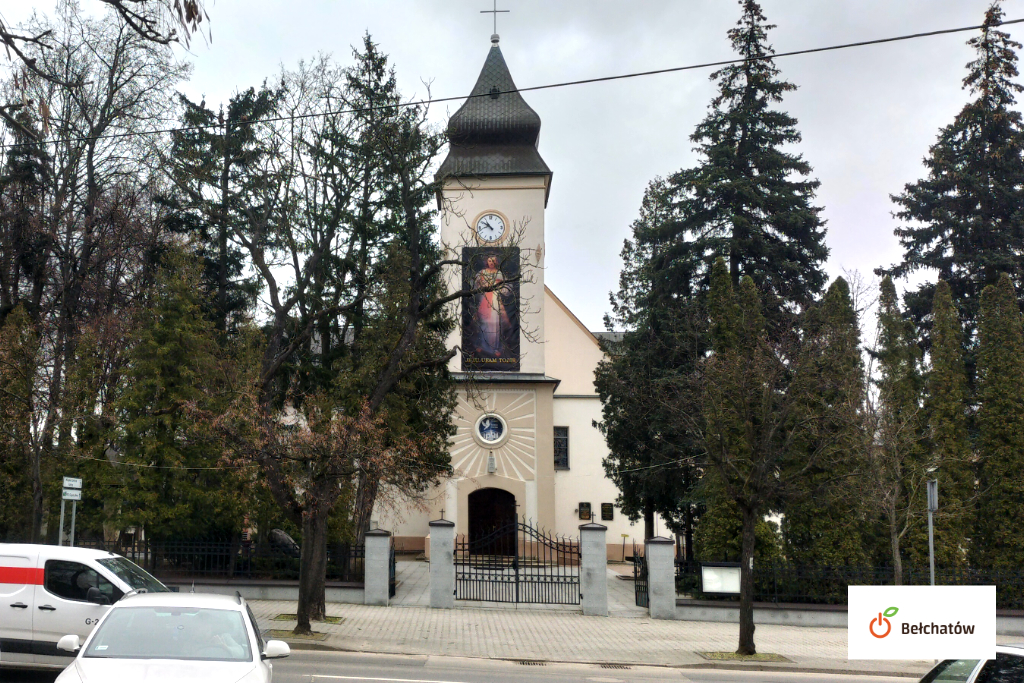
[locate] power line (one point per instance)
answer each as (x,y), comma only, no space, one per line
(218,467)
(668,463)
(163,467)
(549,86)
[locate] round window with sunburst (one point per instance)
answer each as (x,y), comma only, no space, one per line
(490,428)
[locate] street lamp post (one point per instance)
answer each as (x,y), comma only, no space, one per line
(933,507)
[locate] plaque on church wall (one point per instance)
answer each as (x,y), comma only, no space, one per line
(607,512)
(490,319)
(585,511)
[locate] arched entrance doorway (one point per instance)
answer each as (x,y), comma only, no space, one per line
(492,522)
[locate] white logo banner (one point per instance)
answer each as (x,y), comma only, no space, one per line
(922,622)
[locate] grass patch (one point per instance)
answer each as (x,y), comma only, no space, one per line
(288,635)
(734,657)
(293,617)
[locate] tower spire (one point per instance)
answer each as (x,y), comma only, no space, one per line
(495,132)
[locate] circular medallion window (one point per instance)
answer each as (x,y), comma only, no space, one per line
(491,429)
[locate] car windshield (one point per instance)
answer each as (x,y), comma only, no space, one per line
(191,633)
(134,575)
(951,671)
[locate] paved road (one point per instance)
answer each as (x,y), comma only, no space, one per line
(343,667)
(337,667)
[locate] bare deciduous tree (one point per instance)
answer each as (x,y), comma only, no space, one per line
(91,223)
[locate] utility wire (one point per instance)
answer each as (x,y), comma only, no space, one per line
(218,467)
(162,467)
(669,463)
(549,86)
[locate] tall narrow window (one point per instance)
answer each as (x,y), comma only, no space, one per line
(561,448)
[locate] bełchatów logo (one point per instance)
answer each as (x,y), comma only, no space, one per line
(890,612)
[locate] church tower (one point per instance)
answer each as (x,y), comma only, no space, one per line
(494,188)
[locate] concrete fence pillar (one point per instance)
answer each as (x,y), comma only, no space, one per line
(442,564)
(594,569)
(377,568)
(661,577)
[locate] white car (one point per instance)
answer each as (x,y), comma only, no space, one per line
(48,591)
(158,637)
(1007,667)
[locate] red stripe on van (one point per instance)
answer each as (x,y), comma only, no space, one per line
(29,575)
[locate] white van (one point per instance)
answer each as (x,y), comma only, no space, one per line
(47,592)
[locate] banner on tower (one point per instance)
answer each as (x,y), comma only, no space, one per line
(490,319)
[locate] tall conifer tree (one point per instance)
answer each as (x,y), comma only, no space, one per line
(779,416)
(750,200)
(651,452)
(964,219)
(946,410)
(823,525)
(215,166)
(734,417)
(23,229)
(997,542)
(174,365)
(898,466)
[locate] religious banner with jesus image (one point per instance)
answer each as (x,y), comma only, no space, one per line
(490,319)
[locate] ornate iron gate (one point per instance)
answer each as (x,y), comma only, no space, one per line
(640,578)
(518,563)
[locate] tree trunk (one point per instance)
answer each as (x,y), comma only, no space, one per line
(312,571)
(366,497)
(897,561)
(648,520)
(747,582)
(37,495)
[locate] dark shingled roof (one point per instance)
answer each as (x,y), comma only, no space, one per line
(614,337)
(494,134)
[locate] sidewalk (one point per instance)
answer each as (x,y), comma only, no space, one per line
(563,634)
(559,636)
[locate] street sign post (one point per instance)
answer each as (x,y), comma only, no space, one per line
(60,529)
(933,507)
(73,492)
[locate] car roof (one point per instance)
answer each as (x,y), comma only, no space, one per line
(1015,648)
(36,548)
(208,600)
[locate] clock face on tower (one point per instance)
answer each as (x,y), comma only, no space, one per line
(490,227)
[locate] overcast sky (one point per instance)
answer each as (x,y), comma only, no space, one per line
(868,115)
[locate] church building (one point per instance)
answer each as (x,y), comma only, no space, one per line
(526,445)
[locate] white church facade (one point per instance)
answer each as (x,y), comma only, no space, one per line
(526,444)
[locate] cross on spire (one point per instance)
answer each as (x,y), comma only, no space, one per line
(495,12)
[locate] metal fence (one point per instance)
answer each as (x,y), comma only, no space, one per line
(392,571)
(184,560)
(781,582)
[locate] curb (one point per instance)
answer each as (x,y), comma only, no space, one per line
(314,646)
(765,666)
(724,666)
